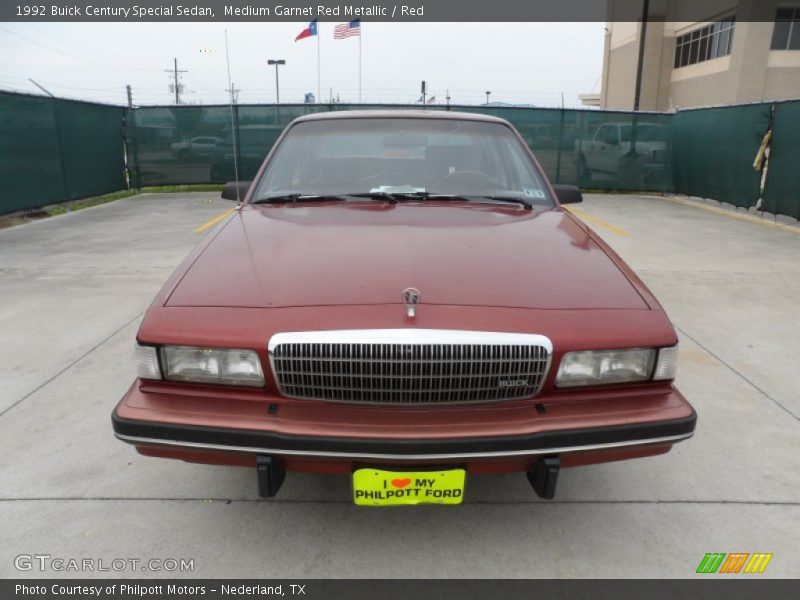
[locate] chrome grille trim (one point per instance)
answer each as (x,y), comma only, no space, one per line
(409,366)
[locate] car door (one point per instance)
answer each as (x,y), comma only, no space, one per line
(203,146)
(602,154)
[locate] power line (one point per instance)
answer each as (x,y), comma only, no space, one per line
(62,52)
(94,52)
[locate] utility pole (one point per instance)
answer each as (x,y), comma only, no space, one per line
(234,93)
(125,137)
(175,80)
(277,62)
(423,88)
(637,93)
(448,97)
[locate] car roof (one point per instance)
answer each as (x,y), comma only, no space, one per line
(401,114)
(260,127)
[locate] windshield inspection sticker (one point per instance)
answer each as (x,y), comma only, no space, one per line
(532,193)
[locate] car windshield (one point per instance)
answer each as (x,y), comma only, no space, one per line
(645,133)
(402,156)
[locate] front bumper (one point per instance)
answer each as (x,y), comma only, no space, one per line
(310,430)
(545,443)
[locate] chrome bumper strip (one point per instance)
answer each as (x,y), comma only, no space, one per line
(401,457)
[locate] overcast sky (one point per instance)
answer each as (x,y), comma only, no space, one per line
(519,62)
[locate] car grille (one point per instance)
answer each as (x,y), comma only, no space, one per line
(409,366)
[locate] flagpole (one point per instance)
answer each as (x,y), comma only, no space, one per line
(319,79)
(360,34)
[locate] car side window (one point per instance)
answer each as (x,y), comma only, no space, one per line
(608,134)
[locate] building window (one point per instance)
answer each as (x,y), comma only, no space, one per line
(706,43)
(786,35)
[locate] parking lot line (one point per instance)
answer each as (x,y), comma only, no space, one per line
(729,213)
(596,221)
(212,222)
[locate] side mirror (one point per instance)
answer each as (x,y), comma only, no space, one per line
(568,194)
(235,190)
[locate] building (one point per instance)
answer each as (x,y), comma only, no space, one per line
(592,100)
(741,51)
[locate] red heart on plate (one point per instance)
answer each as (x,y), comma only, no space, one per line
(400,483)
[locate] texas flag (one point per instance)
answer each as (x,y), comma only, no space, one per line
(308,31)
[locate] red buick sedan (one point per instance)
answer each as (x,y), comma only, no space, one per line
(400,298)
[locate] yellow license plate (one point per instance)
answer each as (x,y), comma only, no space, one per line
(376,487)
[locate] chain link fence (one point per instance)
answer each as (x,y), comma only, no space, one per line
(593,149)
(55,150)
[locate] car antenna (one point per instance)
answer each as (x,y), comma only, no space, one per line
(233,124)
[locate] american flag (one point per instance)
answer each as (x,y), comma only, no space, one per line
(347,29)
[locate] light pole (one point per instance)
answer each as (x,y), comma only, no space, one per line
(488,93)
(277,63)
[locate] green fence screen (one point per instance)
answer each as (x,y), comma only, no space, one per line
(715,149)
(53,150)
(782,192)
(593,149)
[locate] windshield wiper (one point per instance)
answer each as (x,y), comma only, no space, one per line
(296,198)
(526,203)
(323,197)
(458,197)
(390,198)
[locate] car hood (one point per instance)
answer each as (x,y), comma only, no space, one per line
(469,254)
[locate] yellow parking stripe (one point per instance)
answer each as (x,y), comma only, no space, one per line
(212,222)
(729,213)
(596,221)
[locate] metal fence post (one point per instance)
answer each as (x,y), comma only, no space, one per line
(130,133)
(60,144)
(560,144)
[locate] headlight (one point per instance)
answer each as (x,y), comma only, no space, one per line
(212,365)
(602,367)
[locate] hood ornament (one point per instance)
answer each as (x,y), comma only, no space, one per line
(411,298)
